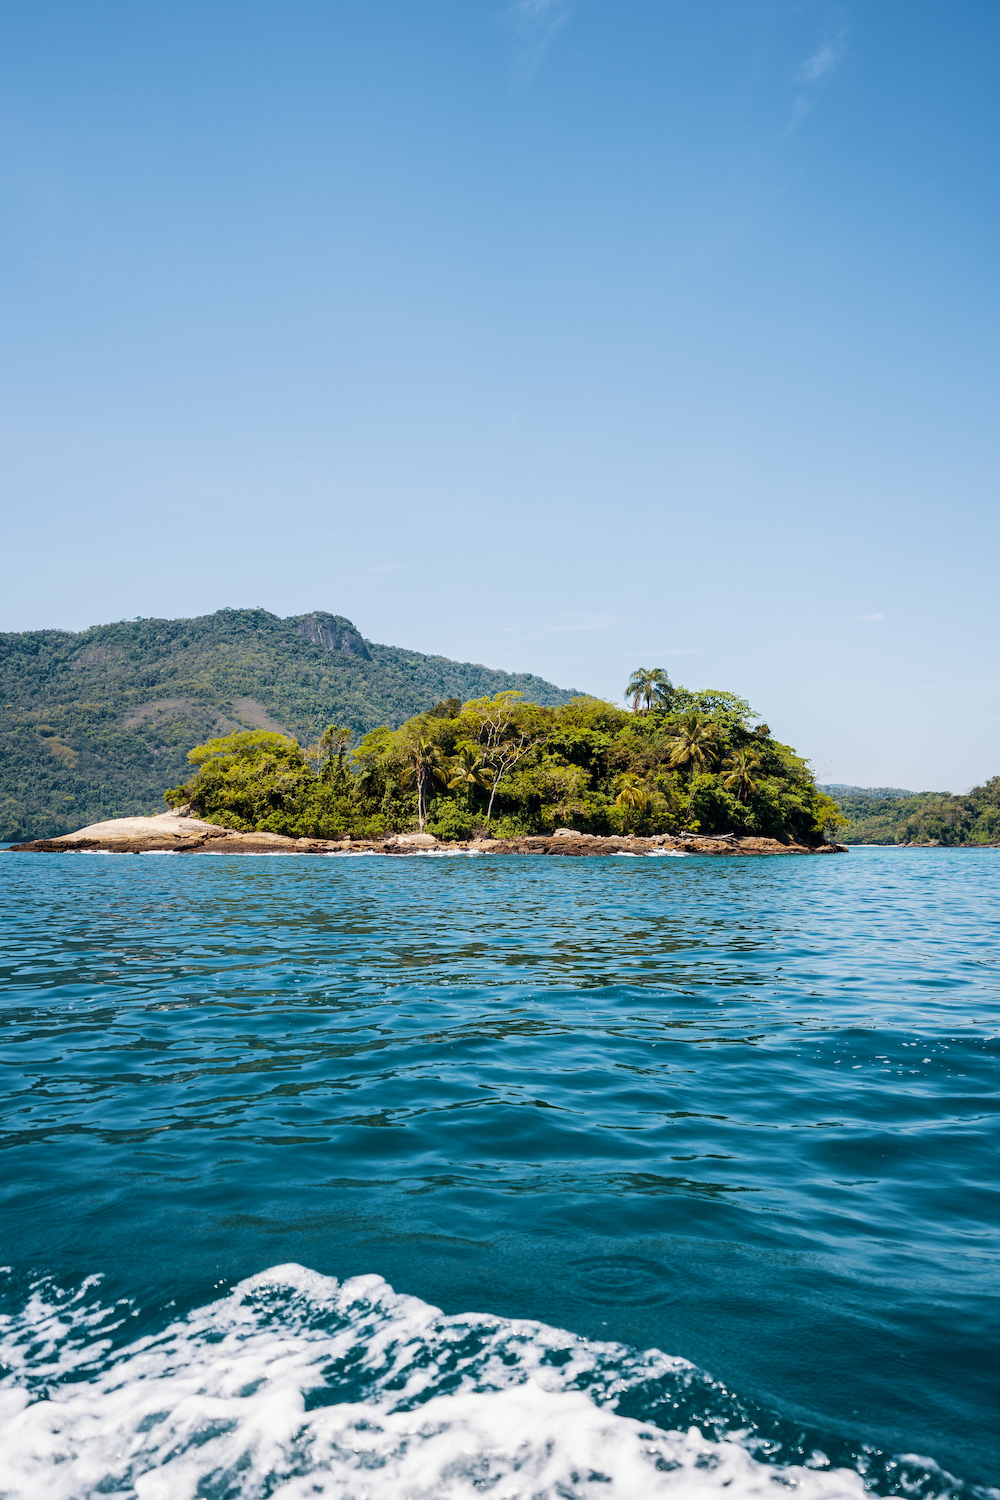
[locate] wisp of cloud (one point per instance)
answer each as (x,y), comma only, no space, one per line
(537,24)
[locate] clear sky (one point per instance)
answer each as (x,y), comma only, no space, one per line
(562,335)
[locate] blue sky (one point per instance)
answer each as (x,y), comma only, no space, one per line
(563,335)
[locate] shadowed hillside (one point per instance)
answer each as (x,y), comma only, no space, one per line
(98,723)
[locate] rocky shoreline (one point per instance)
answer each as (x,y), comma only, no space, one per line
(175,833)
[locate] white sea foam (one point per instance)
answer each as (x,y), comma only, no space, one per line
(406,1404)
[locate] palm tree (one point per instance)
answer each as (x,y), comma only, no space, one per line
(467,768)
(694,743)
(740,766)
(424,765)
(631,793)
(649,685)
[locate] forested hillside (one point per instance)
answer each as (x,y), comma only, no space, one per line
(98,724)
(888,815)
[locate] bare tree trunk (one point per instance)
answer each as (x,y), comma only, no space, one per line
(420,801)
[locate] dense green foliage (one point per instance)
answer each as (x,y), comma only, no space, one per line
(887,815)
(97,724)
(511,767)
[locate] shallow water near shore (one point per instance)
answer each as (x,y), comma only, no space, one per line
(454,1177)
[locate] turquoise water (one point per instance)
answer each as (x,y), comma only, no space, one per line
(739,1112)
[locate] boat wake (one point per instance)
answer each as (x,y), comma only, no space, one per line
(295,1385)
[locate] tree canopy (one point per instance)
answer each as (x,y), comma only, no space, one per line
(502,765)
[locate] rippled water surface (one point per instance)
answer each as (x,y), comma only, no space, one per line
(739,1112)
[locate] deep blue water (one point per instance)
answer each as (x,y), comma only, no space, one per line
(740,1111)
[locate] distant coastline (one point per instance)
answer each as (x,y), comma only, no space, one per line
(920,820)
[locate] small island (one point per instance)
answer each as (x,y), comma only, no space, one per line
(679,771)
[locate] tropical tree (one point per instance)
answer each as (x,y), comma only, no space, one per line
(467,769)
(423,764)
(739,767)
(246,779)
(694,743)
(632,793)
(507,731)
(649,686)
(333,743)
(376,764)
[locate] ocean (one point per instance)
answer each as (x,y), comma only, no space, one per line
(446,1176)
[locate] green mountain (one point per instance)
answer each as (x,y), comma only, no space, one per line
(889,815)
(97,724)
